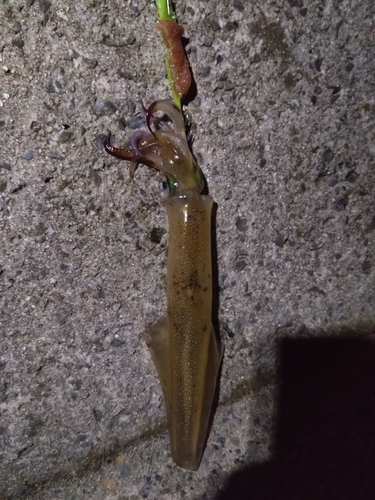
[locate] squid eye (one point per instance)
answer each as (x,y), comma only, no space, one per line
(169,184)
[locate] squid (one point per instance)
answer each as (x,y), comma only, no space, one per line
(184,348)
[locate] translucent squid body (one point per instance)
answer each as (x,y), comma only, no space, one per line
(183,345)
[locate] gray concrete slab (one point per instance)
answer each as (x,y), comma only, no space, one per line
(283,127)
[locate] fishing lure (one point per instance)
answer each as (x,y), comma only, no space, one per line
(181,74)
(183,345)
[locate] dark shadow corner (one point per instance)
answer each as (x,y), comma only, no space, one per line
(324,442)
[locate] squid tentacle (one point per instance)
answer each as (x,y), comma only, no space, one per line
(164,147)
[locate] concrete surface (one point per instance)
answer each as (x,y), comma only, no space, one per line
(283,126)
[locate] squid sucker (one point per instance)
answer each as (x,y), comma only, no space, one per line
(183,345)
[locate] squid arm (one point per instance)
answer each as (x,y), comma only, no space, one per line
(183,345)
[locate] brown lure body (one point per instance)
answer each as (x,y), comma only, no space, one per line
(183,345)
(172,34)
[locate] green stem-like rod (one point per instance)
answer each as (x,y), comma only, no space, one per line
(165,13)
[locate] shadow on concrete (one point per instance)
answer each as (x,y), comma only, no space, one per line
(324,443)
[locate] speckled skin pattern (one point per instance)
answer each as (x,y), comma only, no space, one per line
(189,301)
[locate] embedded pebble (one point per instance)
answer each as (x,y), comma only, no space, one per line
(90,63)
(64,136)
(29,155)
(207,41)
(241,224)
(18,42)
(228,85)
(104,108)
(100,139)
(206,71)
(328,155)
(238,4)
(16,27)
(136,122)
(56,156)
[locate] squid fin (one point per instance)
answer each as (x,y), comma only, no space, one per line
(157,340)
